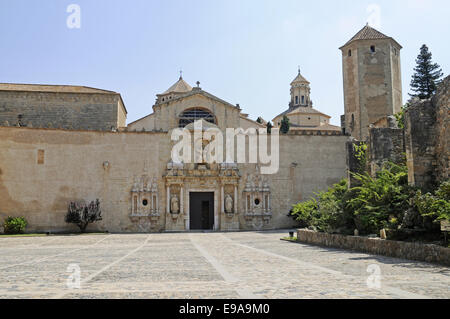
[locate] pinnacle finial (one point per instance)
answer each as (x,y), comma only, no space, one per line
(181,74)
(299,69)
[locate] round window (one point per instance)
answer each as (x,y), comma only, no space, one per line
(257,202)
(145,202)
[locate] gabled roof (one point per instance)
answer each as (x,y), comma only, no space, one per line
(181,86)
(368,33)
(196,91)
(303,110)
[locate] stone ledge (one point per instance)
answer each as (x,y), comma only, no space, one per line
(397,249)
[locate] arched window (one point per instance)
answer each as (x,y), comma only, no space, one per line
(372,48)
(349,52)
(192,115)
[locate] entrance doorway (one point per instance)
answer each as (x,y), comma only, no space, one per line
(201,211)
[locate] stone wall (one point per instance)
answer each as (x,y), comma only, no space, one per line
(442,103)
(385,144)
(427,139)
(42,170)
(72,111)
(397,249)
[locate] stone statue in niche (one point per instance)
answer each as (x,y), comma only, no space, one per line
(228,204)
(174,205)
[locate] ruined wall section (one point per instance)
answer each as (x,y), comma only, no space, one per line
(442,103)
(385,145)
(427,139)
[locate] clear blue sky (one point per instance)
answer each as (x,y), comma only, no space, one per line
(243,51)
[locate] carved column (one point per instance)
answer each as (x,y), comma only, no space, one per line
(168,199)
(181,200)
(222,199)
(235,199)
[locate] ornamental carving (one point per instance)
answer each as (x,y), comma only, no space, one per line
(144,197)
(257,199)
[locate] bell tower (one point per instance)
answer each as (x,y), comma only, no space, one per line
(300,92)
(372,80)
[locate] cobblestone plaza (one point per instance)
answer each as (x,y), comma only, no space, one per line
(205,265)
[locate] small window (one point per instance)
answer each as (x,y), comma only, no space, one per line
(145,202)
(296,100)
(395,51)
(372,48)
(303,99)
(257,202)
(349,52)
(40,157)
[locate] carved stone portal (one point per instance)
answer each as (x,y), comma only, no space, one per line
(257,197)
(144,197)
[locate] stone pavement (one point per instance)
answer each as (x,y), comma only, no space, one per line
(206,265)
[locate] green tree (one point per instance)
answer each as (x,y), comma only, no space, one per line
(269,128)
(285,125)
(427,75)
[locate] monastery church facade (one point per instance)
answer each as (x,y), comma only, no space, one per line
(68,143)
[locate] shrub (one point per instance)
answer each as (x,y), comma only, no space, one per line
(15,225)
(360,151)
(304,212)
(435,206)
(82,215)
(327,213)
(380,202)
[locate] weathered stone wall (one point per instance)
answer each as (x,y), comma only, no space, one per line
(427,139)
(420,138)
(73,111)
(397,249)
(442,102)
(385,144)
(42,170)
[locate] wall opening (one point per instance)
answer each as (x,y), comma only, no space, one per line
(40,157)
